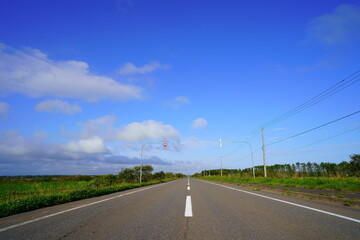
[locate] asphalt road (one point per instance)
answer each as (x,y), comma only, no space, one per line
(165,211)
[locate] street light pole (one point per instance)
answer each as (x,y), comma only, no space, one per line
(209,168)
(141,155)
(252,157)
(221,157)
(142,148)
(263,150)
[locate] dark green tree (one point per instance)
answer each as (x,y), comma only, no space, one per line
(146,173)
(127,175)
(354,165)
(159,175)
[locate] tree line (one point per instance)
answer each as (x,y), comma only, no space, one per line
(323,169)
(132,175)
(126,175)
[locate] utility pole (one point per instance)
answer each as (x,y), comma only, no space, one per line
(209,168)
(221,165)
(263,150)
(220,143)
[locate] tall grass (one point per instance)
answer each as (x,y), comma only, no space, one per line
(17,197)
(335,183)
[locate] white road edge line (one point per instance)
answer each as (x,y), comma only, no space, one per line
(290,203)
(188,188)
(188,208)
(75,208)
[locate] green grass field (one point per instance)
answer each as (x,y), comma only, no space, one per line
(19,190)
(351,184)
(20,196)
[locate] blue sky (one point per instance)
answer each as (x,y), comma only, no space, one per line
(84,84)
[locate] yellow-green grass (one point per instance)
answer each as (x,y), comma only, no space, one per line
(350,184)
(17,197)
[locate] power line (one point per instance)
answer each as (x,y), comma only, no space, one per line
(325,124)
(312,129)
(344,83)
(320,97)
(339,86)
(321,140)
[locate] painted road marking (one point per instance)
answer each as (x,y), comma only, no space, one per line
(75,208)
(188,208)
(188,188)
(290,203)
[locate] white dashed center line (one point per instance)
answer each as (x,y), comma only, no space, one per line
(188,208)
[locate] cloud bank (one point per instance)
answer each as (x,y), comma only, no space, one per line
(132,132)
(92,145)
(4,108)
(32,73)
(130,68)
(178,102)
(57,106)
(340,26)
(36,155)
(199,123)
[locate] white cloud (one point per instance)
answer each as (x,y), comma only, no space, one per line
(193,143)
(199,123)
(12,143)
(149,129)
(57,106)
(130,68)
(92,145)
(137,131)
(178,102)
(340,26)
(32,73)
(102,127)
(35,155)
(121,159)
(4,108)
(14,147)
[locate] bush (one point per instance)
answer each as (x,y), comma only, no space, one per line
(159,175)
(105,180)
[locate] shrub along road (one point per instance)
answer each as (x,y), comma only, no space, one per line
(216,211)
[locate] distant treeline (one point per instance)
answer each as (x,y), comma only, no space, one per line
(323,169)
(126,175)
(47,178)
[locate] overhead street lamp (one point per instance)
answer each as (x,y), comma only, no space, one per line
(251,149)
(141,154)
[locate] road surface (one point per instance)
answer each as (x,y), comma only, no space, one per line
(187,209)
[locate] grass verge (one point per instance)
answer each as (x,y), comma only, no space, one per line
(22,197)
(351,184)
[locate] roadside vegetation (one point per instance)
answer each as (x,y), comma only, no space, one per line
(344,176)
(351,184)
(24,193)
